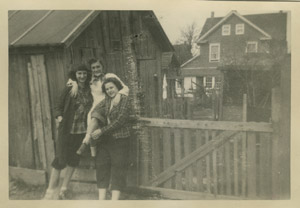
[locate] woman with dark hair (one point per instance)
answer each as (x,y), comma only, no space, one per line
(71,113)
(109,120)
(98,77)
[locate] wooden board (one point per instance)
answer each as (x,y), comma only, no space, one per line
(251,161)
(144,153)
(199,164)
(29,176)
(187,150)
(244,163)
(156,152)
(228,168)
(235,165)
(178,156)
(38,63)
(210,125)
(265,165)
(21,151)
(37,121)
(167,155)
(207,158)
(186,195)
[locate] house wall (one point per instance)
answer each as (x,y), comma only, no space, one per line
(233,46)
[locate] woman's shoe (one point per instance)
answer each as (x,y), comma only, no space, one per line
(64,194)
(48,195)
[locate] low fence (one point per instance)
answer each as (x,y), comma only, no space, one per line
(220,159)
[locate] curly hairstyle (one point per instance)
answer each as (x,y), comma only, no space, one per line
(114,80)
(80,67)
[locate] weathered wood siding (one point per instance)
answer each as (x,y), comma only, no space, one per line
(103,39)
(20,129)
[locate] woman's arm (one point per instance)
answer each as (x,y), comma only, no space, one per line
(121,119)
(60,103)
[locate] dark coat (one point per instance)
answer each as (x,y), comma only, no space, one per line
(65,107)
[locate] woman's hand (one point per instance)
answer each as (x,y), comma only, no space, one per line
(95,135)
(86,139)
(116,99)
(59,119)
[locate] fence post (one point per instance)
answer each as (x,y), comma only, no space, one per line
(276,148)
(189,109)
(244,118)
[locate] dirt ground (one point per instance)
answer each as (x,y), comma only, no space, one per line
(18,190)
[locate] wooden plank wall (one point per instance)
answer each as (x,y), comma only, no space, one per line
(21,153)
(103,39)
(57,67)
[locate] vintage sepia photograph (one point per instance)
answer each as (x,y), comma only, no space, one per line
(149,104)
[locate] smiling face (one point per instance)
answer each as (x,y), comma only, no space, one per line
(81,76)
(97,68)
(111,89)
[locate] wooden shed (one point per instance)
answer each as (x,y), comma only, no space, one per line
(42,46)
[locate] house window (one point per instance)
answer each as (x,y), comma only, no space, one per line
(239,29)
(214,52)
(251,47)
(208,82)
(218,82)
(226,30)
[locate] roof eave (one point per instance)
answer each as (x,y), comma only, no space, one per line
(68,40)
(201,39)
(182,65)
(37,45)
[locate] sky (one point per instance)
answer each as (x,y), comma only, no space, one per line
(173,19)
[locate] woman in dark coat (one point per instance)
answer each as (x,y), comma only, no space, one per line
(71,113)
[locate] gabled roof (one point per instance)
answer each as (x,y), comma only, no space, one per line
(157,31)
(182,52)
(167,59)
(60,27)
(46,27)
(272,25)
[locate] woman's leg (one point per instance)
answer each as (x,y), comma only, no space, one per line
(102,161)
(54,178)
(102,193)
(115,194)
(119,151)
(68,175)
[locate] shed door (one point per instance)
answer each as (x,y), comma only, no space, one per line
(40,112)
(151,86)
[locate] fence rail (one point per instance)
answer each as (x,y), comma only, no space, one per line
(219,158)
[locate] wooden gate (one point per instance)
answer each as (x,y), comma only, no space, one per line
(206,159)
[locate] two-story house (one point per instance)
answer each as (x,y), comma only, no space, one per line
(234,48)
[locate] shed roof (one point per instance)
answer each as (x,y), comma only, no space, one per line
(28,27)
(168,58)
(272,23)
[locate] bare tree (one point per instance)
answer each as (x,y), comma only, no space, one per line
(188,35)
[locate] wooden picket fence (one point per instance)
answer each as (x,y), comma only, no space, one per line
(211,159)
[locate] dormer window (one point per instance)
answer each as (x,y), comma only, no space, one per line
(239,29)
(226,30)
(214,52)
(251,47)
